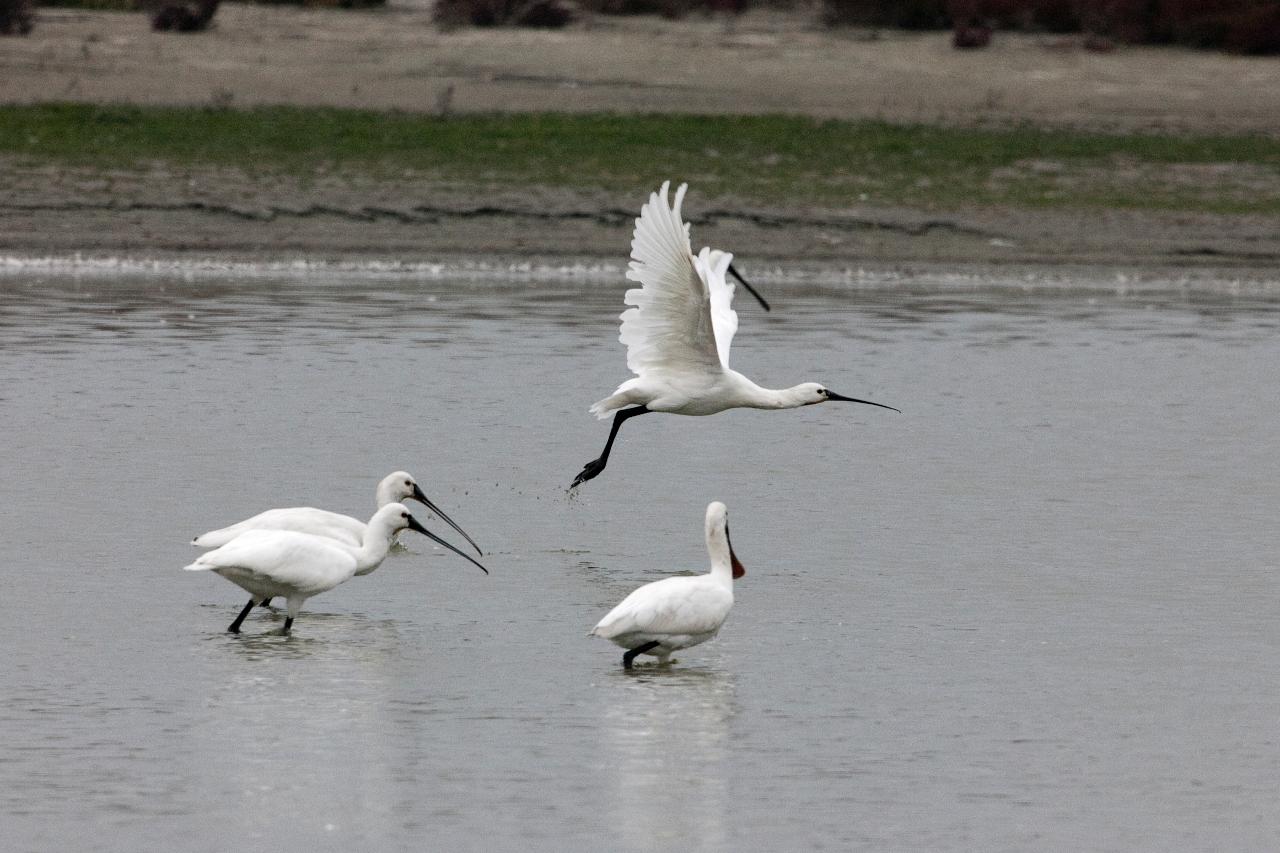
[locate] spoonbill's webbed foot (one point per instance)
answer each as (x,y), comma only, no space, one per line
(589,472)
(235,626)
(593,468)
(638,650)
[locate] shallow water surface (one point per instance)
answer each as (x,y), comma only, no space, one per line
(1034,611)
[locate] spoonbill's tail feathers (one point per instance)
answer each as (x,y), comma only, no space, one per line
(619,399)
(221,536)
(218,538)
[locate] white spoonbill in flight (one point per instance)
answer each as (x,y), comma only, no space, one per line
(679,331)
(395,487)
(676,613)
(267,563)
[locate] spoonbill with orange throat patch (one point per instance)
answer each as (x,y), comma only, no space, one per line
(676,613)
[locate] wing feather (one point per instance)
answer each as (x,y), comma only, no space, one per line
(310,563)
(303,519)
(712,265)
(681,605)
(670,326)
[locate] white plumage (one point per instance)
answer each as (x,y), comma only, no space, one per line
(676,613)
(679,330)
(299,519)
(296,566)
(681,327)
(394,488)
(671,325)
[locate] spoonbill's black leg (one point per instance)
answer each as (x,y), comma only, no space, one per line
(288,623)
(266,602)
(638,650)
(235,626)
(593,468)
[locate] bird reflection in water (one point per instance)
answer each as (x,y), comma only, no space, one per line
(666,732)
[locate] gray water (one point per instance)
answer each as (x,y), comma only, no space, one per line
(1036,611)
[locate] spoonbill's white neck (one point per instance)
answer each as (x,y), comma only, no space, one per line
(805,394)
(757,397)
(719,551)
(378,536)
(793,397)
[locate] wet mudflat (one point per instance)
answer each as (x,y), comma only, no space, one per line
(1035,611)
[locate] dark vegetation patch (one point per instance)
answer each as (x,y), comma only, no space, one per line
(1241,26)
(16,17)
(492,13)
(753,158)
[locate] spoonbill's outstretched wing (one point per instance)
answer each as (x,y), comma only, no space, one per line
(681,318)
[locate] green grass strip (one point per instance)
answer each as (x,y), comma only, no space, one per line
(773,159)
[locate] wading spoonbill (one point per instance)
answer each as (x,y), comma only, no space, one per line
(394,488)
(267,563)
(676,613)
(678,333)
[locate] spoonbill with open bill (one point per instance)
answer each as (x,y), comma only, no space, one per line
(267,563)
(676,613)
(679,330)
(394,488)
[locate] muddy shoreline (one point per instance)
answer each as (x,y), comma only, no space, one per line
(215,215)
(761,62)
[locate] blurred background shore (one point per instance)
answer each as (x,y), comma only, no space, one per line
(840,144)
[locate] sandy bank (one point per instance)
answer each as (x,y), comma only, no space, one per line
(759,63)
(762,62)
